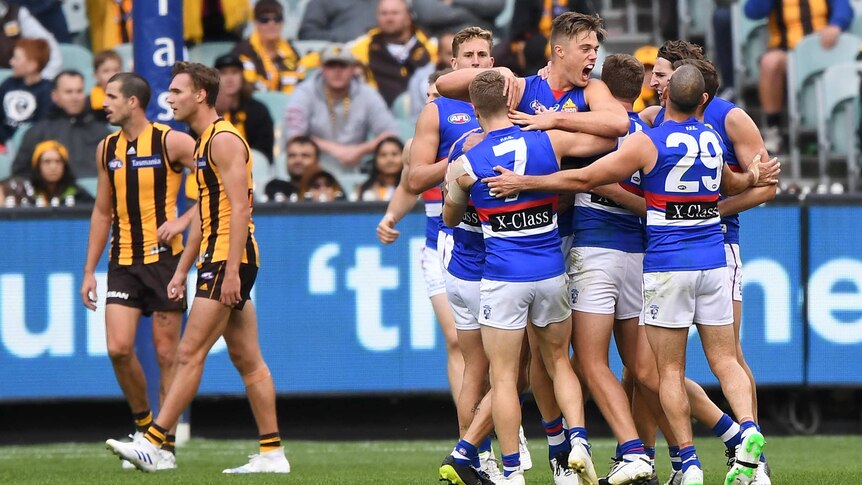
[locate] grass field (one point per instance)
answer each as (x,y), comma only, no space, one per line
(795,461)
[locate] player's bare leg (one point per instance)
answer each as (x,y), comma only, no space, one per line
(503,348)
(121,324)
(454,357)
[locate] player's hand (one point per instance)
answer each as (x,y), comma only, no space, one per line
(503,185)
(472,140)
(511,90)
(88,291)
(829,36)
(169,229)
(543,120)
(386,232)
(177,287)
(230,289)
(767,172)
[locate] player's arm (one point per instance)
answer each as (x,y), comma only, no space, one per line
(456,84)
(623,197)
(177,285)
(423,172)
(636,153)
(100,227)
(606,116)
(747,142)
(649,114)
(229,155)
(180,149)
(460,179)
(580,144)
(757,174)
(400,204)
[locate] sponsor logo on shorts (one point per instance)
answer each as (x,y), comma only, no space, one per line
(115,164)
(653,311)
(117,294)
(486,311)
(597,199)
(530,218)
(691,210)
(145,162)
(470,217)
(459,118)
(207,275)
(158,249)
(574,295)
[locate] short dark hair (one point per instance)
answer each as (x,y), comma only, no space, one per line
(469,33)
(676,50)
(707,70)
(37,50)
(133,84)
(686,88)
(434,76)
(570,24)
(105,56)
(486,93)
(203,77)
(65,73)
(303,140)
(624,75)
(263,7)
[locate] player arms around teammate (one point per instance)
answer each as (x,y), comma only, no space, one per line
(223,234)
(524,269)
(139,174)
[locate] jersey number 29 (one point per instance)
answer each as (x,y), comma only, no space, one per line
(699,149)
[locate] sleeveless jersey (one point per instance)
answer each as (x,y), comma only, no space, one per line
(681,191)
(213,202)
(537,95)
(144,185)
(455,118)
(521,239)
(467,261)
(602,223)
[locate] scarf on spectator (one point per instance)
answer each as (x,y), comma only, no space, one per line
(284,51)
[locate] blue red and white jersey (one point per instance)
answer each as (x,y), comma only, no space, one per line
(715,116)
(539,96)
(467,261)
(521,239)
(602,223)
(681,191)
(455,118)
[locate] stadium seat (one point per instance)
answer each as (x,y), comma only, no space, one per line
(261,173)
(401,106)
(805,63)
(695,19)
(89,184)
(4,73)
(5,165)
(276,102)
(750,38)
(306,46)
(406,128)
(80,59)
(856,26)
(7,157)
(207,52)
(127,55)
(838,118)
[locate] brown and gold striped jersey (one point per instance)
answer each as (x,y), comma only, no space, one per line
(213,203)
(144,185)
(791,20)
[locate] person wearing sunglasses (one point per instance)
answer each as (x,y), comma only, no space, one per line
(271,62)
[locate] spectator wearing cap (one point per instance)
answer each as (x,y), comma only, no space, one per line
(337,20)
(394,50)
(270,62)
(26,97)
(647,54)
(344,116)
(18,23)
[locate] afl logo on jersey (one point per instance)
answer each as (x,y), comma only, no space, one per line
(536,106)
(115,164)
(459,118)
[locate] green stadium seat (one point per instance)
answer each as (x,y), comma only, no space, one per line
(276,102)
(261,173)
(89,184)
(207,52)
(80,59)
(750,38)
(127,54)
(4,74)
(856,26)
(401,106)
(838,118)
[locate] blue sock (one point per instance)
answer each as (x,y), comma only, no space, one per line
(728,431)
(675,461)
(618,452)
(485,445)
(763,457)
(747,425)
(632,447)
(689,458)
(465,454)
(650,452)
(557,440)
(511,463)
(577,434)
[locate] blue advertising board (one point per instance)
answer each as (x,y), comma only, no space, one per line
(158,28)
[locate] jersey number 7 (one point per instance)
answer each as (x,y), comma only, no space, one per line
(519,147)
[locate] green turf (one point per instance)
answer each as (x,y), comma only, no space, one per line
(795,461)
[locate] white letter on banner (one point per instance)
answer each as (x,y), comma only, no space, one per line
(368,279)
(166,113)
(58,338)
(423,326)
(822,301)
(163,8)
(322,279)
(163,56)
(777,299)
(96,342)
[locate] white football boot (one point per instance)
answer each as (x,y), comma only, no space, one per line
(270,462)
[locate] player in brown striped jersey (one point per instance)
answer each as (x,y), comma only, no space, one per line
(140,170)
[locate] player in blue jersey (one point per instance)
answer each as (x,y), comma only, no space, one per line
(684,275)
(524,274)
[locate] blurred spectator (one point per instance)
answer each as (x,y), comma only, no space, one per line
(392,51)
(235,104)
(52,179)
(531,29)
(418,85)
(50,14)
(215,20)
(722,28)
(303,156)
(646,55)
(669,18)
(321,186)
(337,20)
(105,65)
(25,95)
(789,22)
(18,23)
(110,23)
(339,112)
(271,63)
(70,123)
(385,171)
(438,16)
